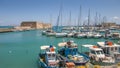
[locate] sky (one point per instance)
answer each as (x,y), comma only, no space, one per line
(13,12)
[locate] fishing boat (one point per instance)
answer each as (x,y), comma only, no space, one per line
(64,62)
(47,57)
(111,49)
(70,51)
(98,57)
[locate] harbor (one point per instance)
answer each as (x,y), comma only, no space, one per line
(25,47)
(59,34)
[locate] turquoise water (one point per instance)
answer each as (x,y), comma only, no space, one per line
(6,26)
(20,49)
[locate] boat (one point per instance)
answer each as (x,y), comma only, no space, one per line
(61,34)
(64,62)
(70,34)
(107,34)
(70,51)
(47,57)
(48,32)
(118,42)
(111,49)
(115,35)
(43,32)
(97,35)
(98,57)
(101,30)
(89,35)
(80,35)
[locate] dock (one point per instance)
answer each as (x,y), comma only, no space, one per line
(3,30)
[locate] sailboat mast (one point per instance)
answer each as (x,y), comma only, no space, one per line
(58,19)
(96,20)
(88,18)
(99,20)
(51,20)
(79,19)
(61,8)
(57,24)
(70,19)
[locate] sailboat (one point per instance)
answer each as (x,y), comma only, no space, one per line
(89,33)
(49,32)
(79,34)
(71,29)
(96,34)
(59,33)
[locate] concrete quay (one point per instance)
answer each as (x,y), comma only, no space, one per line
(3,30)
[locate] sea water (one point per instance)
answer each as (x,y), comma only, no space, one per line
(21,49)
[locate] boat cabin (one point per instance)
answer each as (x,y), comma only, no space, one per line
(115,35)
(69,48)
(70,51)
(97,52)
(110,48)
(49,56)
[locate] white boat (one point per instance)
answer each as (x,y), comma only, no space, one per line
(101,30)
(98,56)
(61,34)
(89,35)
(51,34)
(111,49)
(80,35)
(44,32)
(107,34)
(97,35)
(48,33)
(70,34)
(115,35)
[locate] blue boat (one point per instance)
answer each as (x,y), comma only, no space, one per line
(70,51)
(47,57)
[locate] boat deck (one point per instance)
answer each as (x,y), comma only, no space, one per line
(89,65)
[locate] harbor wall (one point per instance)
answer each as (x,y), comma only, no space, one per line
(36,25)
(3,30)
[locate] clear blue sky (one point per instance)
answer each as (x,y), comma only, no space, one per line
(13,12)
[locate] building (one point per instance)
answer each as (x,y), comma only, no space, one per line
(108,24)
(36,25)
